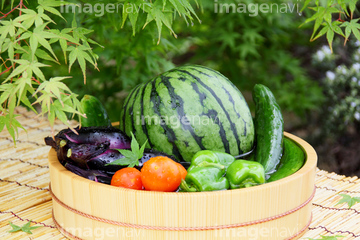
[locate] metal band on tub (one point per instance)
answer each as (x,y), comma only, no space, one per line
(164,228)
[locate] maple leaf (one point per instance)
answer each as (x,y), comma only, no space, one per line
(351,201)
(25,228)
(131,156)
(327,237)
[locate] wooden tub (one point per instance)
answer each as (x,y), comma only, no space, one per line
(84,209)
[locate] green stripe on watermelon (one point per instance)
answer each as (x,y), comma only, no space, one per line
(227,92)
(128,116)
(235,122)
(217,101)
(136,124)
(166,139)
(126,102)
(175,106)
(241,121)
(142,137)
(124,112)
(197,111)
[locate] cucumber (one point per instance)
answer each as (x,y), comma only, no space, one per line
(291,161)
(96,115)
(269,128)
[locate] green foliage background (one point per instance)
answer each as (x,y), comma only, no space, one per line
(138,41)
(248,50)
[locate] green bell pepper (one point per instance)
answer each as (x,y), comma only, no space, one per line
(205,177)
(209,156)
(244,173)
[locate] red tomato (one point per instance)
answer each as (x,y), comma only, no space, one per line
(127,178)
(183,171)
(161,174)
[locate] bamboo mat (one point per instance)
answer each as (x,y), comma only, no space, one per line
(24,193)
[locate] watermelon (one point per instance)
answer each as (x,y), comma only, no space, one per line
(188,109)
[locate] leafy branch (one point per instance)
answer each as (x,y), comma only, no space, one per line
(162,12)
(333,17)
(29,39)
(26,43)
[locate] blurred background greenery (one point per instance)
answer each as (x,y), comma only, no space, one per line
(317,90)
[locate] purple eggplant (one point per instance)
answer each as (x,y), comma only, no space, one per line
(82,153)
(97,135)
(101,161)
(88,143)
(94,175)
(62,147)
(78,153)
(149,153)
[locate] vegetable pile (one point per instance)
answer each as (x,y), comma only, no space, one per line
(94,152)
(233,152)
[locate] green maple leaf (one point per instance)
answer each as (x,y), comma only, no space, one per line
(64,39)
(329,30)
(228,39)
(353,27)
(11,124)
(9,27)
(80,54)
(48,5)
(327,237)
(25,228)
(65,101)
(161,15)
(131,157)
(351,201)
(29,17)
(39,36)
